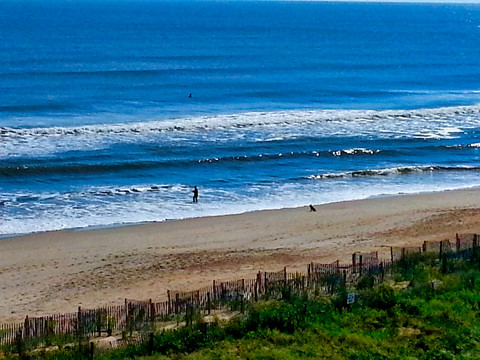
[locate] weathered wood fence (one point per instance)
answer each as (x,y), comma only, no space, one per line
(135,315)
(463,243)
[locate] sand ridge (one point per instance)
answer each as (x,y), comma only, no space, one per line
(55,272)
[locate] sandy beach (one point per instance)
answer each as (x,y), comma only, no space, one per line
(56,272)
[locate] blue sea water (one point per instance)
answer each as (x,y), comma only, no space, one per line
(291,103)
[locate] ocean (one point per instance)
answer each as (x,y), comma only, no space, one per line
(112,111)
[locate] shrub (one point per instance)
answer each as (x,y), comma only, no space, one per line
(380,297)
(366,282)
(273,315)
(235,328)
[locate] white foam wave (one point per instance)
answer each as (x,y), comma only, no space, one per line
(374,172)
(57,211)
(444,122)
(355,151)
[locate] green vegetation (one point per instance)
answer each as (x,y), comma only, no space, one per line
(428,309)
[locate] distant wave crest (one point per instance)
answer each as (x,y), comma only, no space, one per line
(403,170)
(248,120)
(435,123)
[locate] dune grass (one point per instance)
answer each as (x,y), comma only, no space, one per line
(429,309)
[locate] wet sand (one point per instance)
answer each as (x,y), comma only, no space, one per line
(55,272)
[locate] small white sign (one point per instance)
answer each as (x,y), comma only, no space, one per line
(350,298)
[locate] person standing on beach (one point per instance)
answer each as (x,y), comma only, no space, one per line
(195,195)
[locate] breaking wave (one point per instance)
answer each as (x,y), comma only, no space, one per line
(259,127)
(262,120)
(403,170)
(75,166)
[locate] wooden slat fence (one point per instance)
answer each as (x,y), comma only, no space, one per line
(135,315)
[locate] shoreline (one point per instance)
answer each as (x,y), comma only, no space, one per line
(55,272)
(142,223)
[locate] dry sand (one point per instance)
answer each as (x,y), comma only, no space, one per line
(56,272)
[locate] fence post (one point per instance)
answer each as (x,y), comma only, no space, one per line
(177,300)
(214,294)
(79,328)
(126,313)
(98,319)
(169,306)
(243,292)
(90,355)
(209,304)
(308,274)
(19,344)
(152,310)
(285,275)
(259,283)
(26,328)
(79,322)
(130,320)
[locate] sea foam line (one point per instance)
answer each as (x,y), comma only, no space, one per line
(437,123)
(252,119)
(401,170)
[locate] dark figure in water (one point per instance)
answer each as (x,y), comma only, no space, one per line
(195,195)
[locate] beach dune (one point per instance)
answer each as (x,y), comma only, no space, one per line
(55,272)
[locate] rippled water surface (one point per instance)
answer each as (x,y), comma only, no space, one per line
(291,104)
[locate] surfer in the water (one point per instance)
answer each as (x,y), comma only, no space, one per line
(195,195)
